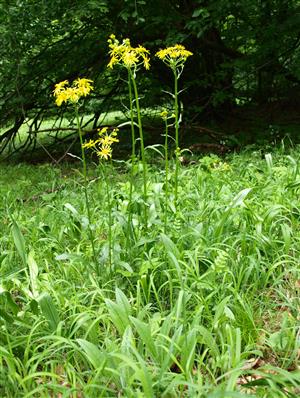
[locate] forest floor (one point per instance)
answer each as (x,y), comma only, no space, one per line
(232,131)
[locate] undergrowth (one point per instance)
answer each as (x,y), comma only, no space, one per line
(207,307)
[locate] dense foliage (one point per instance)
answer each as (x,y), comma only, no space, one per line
(244,52)
(207,307)
(161,275)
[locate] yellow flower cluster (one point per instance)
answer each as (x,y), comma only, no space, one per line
(174,56)
(63,92)
(102,145)
(126,55)
(175,52)
(165,115)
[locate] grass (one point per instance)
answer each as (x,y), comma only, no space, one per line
(208,307)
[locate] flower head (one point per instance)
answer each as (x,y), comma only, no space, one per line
(102,131)
(164,114)
(103,145)
(60,86)
(105,152)
(89,144)
(63,92)
(174,56)
(126,55)
(108,140)
(83,86)
(175,52)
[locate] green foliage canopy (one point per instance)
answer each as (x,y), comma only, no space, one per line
(244,52)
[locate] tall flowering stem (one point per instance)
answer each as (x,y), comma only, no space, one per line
(131,116)
(165,117)
(132,58)
(141,135)
(102,146)
(87,203)
(177,150)
(109,205)
(174,57)
(71,94)
(132,144)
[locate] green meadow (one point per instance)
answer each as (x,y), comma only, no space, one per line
(149,199)
(200,299)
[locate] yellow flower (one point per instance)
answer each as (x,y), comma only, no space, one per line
(64,93)
(161,54)
(102,146)
(89,144)
(164,114)
(141,50)
(83,86)
(147,63)
(105,152)
(60,87)
(72,95)
(61,98)
(102,131)
(108,140)
(129,59)
(177,51)
(126,55)
(174,56)
(114,60)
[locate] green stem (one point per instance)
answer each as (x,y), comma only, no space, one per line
(130,230)
(132,143)
(138,109)
(108,193)
(131,115)
(167,175)
(85,188)
(176,132)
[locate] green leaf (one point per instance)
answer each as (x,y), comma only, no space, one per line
(92,353)
(144,331)
(72,209)
(208,340)
(197,12)
(220,312)
(188,350)
(238,200)
(269,162)
(170,245)
(19,241)
(49,310)
(119,311)
(33,273)
(9,301)
(140,371)
(8,318)
(122,301)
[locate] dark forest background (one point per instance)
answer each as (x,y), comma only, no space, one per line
(245,65)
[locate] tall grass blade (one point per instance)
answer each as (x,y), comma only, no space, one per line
(92,353)
(19,241)
(49,310)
